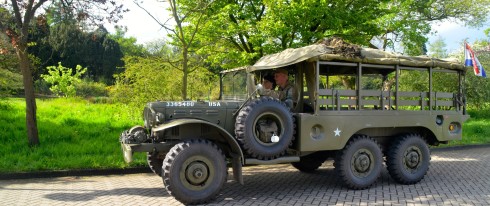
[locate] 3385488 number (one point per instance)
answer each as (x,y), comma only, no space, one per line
(180,104)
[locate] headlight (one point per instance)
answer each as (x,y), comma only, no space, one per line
(160,118)
(152,117)
(149,117)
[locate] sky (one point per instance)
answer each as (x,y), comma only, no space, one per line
(145,29)
(140,25)
(454,33)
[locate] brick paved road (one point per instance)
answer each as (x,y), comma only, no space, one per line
(456,177)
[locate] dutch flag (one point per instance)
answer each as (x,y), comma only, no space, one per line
(471,60)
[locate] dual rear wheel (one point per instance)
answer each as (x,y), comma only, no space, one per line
(408,159)
(360,163)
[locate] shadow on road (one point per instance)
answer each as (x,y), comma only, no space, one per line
(78,195)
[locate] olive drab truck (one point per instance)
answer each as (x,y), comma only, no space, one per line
(360,107)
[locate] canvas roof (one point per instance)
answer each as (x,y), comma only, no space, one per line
(365,55)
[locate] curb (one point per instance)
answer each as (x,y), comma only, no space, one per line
(65,173)
(460,147)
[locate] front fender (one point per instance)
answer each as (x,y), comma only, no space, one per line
(233,144)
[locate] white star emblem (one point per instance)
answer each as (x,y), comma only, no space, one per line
(337,132)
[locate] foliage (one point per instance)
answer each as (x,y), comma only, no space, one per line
(94,50)
(62,79)
(89,88)
(16,17)
(438,48)
(414,80)
(8,60)
(10,78)
(183,35)
(151,78)
(409,22)
(76,134)
(442,82)
(10,82)
(128,45)
(477,89)
(237,33)
(42,87)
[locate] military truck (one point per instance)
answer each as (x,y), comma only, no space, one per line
(355,106)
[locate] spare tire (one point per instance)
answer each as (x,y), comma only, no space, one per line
(265,128)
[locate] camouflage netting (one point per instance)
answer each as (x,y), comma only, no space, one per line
(335,49)
(339,46)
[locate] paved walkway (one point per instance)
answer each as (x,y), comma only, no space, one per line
(456,177)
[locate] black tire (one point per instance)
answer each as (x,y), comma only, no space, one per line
(408,159)
(194,171)
(308,163)
(359,164)
(246,126)
(155,162)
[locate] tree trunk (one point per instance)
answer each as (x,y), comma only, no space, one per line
(31,121)
(185,70)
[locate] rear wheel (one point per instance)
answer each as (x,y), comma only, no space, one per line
(194,171)
(408,159)
(360,162)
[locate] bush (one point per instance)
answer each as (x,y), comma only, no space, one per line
(89,88)
(42,87)
(62,79)
(10,82)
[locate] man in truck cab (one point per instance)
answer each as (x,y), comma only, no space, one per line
(287,91)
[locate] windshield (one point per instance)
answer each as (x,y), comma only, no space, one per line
(234,85)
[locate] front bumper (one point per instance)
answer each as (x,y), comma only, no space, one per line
(136,140)
(129,149)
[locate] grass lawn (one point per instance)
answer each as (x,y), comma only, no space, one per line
(78,134)
(74,134)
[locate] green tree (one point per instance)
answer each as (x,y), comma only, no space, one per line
(94,50)
(239,32)
(437,49)
(409,21)
(183,35)
(63,79)
(478,88)
(147,79)
(128,45)
(442,82)
(15,21)
(10,77)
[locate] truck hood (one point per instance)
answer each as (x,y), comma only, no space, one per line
(156,113)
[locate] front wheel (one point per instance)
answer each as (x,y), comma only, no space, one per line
(194,171)
(408,159)
(360,162)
